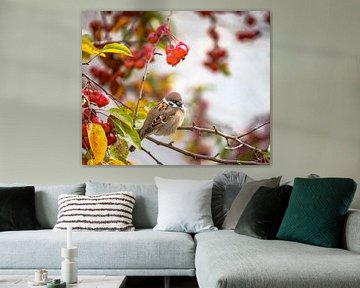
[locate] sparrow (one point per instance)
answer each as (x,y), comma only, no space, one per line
(164,118)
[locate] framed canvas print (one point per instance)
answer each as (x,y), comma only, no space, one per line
(175,88)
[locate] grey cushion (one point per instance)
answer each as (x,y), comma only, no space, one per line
(144,249)
(225,259)
(46,200)
(351,231)
(146,204)
(243,198)
(226,187)
(184,205)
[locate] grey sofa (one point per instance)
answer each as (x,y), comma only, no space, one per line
(218,259)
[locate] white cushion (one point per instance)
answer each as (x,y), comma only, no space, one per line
(184,205)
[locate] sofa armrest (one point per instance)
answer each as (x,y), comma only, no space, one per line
(351,234)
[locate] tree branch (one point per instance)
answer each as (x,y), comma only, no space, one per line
(141,91)
(256,128)
(117,102)
(152,156)
(227,137)
(202,157)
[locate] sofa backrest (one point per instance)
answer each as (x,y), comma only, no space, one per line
(46,200)
(146,203)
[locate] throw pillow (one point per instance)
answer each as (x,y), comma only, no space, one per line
(106,212)
(46,200)
(243,198)
(317,209)
(146,205)
(226,186)
(17,209)
(184,205)
(263,215)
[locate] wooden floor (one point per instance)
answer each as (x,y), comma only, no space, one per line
(158,282)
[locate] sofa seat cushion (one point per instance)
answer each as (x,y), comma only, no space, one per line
(225,259)
(141,249)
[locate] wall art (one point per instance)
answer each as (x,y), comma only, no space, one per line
(175,88)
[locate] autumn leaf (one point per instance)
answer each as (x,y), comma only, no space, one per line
(116,162)
(116,48)
(88,48)
(98,142)
(119,150)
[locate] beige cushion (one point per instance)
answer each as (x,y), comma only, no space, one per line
(243,198)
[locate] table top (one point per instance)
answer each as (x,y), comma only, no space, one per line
(84,281)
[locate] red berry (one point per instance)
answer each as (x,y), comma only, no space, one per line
(111,138)
(217,53)
(247,35)
(213,66)
(95,24)
(148,51)
(107,127)
(86,114)
(184,45)
(169,49)
(137,54)
(204,13)
(94,71)
(139,64)
(180,52)
(172,60)
(213,33)
(104,77)
(250,20)
(102,101)
(153,37)
(162,30)
(97,120)
(129,63)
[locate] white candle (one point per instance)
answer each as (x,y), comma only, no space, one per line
(69,239)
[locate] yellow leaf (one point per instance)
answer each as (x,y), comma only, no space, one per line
(88,48)
(98,142)
(116,48)
(116,162)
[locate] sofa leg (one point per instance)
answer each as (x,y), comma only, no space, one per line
(167,282)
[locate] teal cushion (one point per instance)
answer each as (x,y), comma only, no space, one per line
(316,211)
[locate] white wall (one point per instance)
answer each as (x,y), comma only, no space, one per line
(315,90)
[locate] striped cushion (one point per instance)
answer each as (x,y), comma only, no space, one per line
(105,212)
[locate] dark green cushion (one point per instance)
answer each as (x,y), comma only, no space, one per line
(316,211)
(17,208)
(263,215)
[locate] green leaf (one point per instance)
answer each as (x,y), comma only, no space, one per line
(122,115)
(129,134)
(119,150)
(150,105)
(116,48)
